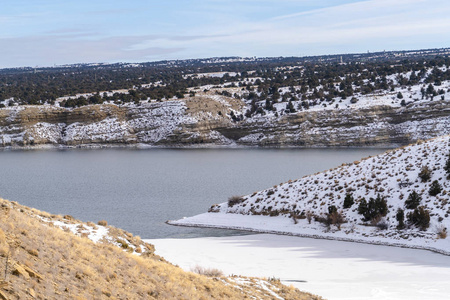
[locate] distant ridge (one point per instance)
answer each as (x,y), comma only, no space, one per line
(343,57)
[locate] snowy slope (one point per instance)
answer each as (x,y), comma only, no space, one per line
(393,176)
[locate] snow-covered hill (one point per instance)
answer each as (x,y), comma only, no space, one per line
(314,205)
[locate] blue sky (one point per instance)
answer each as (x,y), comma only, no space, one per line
(49,32)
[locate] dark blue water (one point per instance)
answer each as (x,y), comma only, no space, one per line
(138,190)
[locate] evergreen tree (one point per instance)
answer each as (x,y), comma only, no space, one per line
(420,218)
(374,208)
(447,166)
(362,207)
(332,209)
(430,89)
(413,200)
(290,107)
(348,201)
(400,216)
(435,188)
(269,105)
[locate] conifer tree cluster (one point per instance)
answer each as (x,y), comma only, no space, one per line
(373,209)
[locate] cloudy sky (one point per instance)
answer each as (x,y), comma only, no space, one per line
(49,32)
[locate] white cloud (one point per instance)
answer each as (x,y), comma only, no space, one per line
(367,25)
(50,50)
(224,28)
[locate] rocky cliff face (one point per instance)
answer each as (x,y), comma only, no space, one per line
(179,123)
(348,127)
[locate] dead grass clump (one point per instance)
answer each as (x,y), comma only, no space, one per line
(441,232)
(102,223)
(122,243)
(69,217)
(33,252)
(92,225)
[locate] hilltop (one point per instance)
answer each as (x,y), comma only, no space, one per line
(44,256)
(397,198)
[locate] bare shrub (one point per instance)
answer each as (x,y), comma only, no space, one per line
(209,272)
(336,218)
(296,216)
(382,224)
(309,216)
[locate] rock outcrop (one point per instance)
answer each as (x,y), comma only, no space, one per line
(176,123)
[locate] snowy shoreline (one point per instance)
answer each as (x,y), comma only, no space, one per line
(141,146)
(214,220)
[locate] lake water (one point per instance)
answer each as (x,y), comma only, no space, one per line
(138,190)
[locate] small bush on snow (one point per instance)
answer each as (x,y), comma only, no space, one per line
(233,200)
(425,174)
(447,166)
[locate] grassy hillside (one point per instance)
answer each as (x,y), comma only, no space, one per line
(44,256)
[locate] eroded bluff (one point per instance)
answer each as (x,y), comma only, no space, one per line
(174,123)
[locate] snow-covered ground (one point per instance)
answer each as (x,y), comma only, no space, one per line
(331,269)
(98,233)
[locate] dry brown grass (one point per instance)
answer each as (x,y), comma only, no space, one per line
(44,262)
(441,232)
(202,102)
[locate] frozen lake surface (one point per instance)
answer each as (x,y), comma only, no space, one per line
(331,269)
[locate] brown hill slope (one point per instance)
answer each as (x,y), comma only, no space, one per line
(39,260)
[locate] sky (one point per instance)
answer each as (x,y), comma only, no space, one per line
(54,32)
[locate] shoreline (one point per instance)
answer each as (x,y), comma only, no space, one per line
(141,146)
(308,235)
